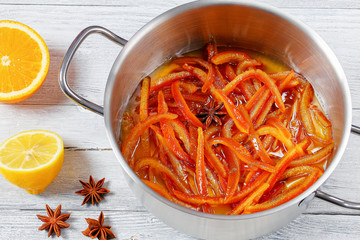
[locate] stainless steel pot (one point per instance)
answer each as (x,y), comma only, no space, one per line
(239,23)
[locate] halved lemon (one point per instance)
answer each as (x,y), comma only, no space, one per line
(32,159)
(24,61)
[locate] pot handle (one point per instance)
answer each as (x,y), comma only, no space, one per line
(68,57)
(336,200)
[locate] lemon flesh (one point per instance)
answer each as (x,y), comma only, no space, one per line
(32,159)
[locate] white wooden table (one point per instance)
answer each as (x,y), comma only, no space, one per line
(87,150)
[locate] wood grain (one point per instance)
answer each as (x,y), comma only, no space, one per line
(80,163)
(322,4)
(139,225)
(92,63)
(88,150)
(78,127)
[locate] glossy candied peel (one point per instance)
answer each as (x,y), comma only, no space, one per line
(221,132)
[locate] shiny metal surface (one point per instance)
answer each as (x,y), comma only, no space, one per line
(64,85)
(337,201)
(355,129)
(238,23)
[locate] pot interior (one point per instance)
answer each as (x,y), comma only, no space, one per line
(243,24)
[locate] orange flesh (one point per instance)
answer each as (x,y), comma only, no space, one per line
(22,62)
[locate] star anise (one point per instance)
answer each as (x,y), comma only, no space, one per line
(92,191)
(54,221)
(211,112)
(97,229)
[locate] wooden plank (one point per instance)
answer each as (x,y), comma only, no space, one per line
(78,127)
(91,65)
(319,227)
(84,132)
(125,225)
(143,225)
(323,220)
(78,165)
(323,4)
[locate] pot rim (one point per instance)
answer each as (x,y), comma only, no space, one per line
(253,4)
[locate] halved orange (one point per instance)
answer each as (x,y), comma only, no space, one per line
(24,61)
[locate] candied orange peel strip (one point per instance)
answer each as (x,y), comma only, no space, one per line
(269,144)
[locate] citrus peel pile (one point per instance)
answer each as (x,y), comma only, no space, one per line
(269,144)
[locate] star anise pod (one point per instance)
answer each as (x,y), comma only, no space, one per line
(92,191)
(211,112)
(54,221)
(97,229)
